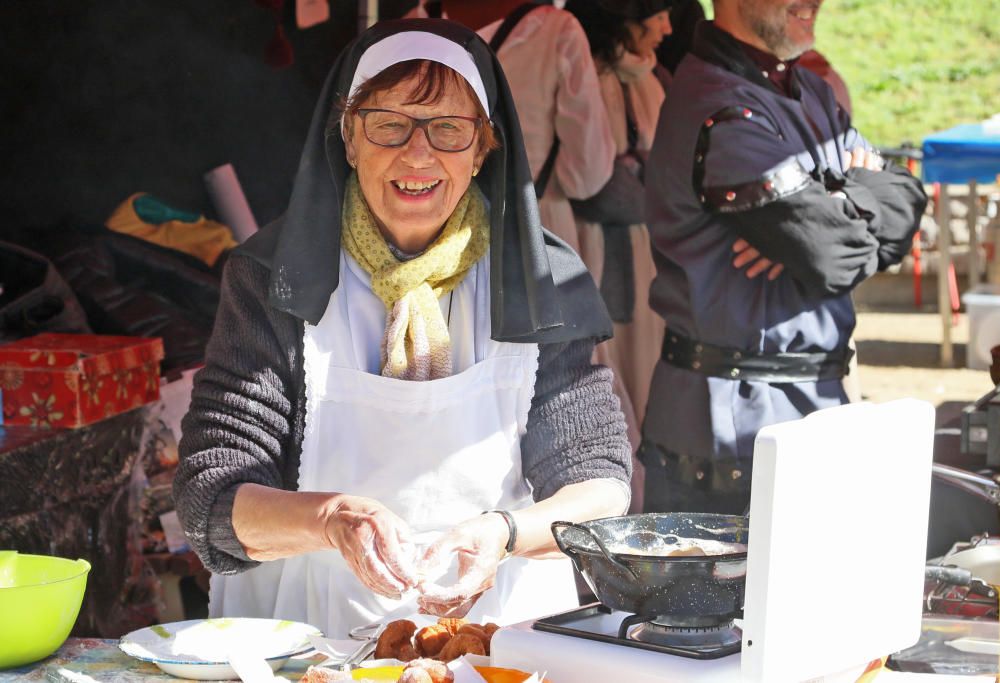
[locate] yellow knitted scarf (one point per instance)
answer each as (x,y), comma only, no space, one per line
(416,344)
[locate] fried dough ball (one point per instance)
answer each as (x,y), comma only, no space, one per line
(414,676)
(491,628)
(430,639)
(426,671)
(407,653)
(479,632)
(452,623)
(393,637)
(462,644)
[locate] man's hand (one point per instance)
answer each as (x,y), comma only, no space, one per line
(859,157)
(479,543)
(376,544)
(758,264)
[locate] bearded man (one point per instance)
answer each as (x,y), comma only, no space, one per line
(765,209)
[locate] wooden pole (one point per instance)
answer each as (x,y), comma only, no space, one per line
(943,211)
(367,14)
(975,266)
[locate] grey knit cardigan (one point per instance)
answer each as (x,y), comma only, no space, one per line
(247,415)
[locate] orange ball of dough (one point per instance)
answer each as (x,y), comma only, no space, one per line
(393,637)
(462,644)
(430,639)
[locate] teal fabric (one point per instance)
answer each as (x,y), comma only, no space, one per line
(155,211)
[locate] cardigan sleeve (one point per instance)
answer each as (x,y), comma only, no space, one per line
(576,430)
(241,425)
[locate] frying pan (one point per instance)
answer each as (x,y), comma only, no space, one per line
(618,559)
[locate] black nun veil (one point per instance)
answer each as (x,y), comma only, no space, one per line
(540,290)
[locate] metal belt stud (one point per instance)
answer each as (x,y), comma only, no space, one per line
(735,372)
(737,474)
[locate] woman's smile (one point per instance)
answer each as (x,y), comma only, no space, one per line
(416,189)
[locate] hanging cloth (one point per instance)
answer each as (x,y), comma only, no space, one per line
(618,271)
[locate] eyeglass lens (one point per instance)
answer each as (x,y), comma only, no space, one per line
(446,133)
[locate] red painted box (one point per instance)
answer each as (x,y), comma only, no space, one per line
(72,380)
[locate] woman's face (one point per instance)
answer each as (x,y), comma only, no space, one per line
(413,189)
(648,34)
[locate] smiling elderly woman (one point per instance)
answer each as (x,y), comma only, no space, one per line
(405,349)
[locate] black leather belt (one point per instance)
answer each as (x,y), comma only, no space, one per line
(737,364)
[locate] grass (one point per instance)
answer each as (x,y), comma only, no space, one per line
(914,67)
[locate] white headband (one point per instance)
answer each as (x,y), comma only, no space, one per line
(402,47)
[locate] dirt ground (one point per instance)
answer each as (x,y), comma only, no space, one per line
(898,354)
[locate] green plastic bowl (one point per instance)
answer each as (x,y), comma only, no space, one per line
(40,598)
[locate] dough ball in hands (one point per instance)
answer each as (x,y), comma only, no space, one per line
(426,671)
(431,639)
(395,635)
(453,623)
(462,644)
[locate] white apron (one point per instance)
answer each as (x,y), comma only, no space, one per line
(435,453)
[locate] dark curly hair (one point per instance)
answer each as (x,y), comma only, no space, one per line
(606,23)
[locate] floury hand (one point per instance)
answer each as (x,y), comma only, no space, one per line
(479,543)
(376,544)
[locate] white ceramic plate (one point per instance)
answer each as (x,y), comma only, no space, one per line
(200,648)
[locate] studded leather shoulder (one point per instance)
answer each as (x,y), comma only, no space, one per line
(785,179)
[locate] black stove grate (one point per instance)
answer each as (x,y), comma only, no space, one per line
(575,623)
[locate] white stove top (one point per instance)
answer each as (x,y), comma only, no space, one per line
(568,659)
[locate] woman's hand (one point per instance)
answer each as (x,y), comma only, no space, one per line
(479,543)
(376,544)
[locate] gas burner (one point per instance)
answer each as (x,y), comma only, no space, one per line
(709,641)
(705,638)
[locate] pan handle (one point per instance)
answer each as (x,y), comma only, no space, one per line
(558,526)
(610,556)
(983,487)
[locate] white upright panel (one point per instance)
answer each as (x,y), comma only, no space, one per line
(838,535)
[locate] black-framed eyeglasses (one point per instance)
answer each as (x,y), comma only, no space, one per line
(389,128)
